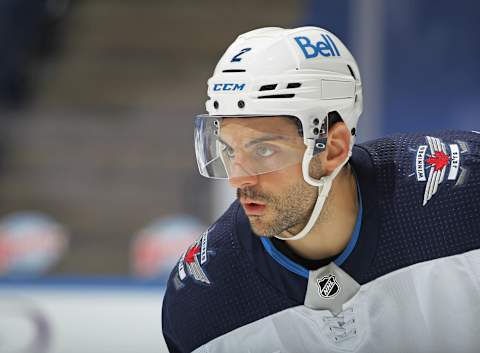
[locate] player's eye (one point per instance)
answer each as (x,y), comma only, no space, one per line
(229,151)
(264,151)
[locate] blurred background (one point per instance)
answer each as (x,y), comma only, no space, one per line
(99,191)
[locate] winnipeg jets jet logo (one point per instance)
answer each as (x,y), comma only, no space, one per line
(194,258)
(434,160)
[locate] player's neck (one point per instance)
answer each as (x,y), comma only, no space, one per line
(333,229)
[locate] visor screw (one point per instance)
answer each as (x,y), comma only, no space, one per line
(316,131)
(215,105)
(241,104)
(316,121)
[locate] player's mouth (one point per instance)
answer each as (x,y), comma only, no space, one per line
(253,208)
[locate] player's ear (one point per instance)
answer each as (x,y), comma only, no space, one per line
(338,145)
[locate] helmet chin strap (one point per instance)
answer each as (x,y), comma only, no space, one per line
(324,185)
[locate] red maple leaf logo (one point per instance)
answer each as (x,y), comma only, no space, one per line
(439,160)
(190,256)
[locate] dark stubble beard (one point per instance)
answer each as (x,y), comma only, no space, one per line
(288,212)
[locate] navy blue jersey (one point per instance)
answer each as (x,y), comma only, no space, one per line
(419,202)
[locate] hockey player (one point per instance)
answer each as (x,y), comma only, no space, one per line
(331,246)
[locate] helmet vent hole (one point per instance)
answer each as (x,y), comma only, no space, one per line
(351,71)
(277,96)
(215,104)
(316,131)
(268,87)
(354,132)
(234,70)
(294,85)
(316,121)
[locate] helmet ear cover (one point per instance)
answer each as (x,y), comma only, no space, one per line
(332,118)
(320,143)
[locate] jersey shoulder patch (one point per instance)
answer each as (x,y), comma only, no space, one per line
(193,266)
(438,162)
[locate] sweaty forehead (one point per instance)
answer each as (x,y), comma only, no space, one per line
(272,125)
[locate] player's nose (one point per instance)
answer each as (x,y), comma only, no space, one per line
(240,174)
(243,181)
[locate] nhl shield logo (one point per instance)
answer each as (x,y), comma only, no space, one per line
(328,286)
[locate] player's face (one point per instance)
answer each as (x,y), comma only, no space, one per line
(276,201)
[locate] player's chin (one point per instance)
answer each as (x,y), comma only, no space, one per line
(259,228)
(257,224)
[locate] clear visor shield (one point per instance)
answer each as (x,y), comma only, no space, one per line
(240,146)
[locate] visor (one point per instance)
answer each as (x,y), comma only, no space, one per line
(243,146)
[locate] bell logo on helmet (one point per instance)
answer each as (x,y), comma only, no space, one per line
(228,86)
(325,48)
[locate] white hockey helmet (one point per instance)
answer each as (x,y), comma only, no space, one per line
(305,73)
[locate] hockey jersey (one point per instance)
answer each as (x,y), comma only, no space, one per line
(408,281)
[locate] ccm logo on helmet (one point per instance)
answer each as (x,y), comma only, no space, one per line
(311,50)
(228,86)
